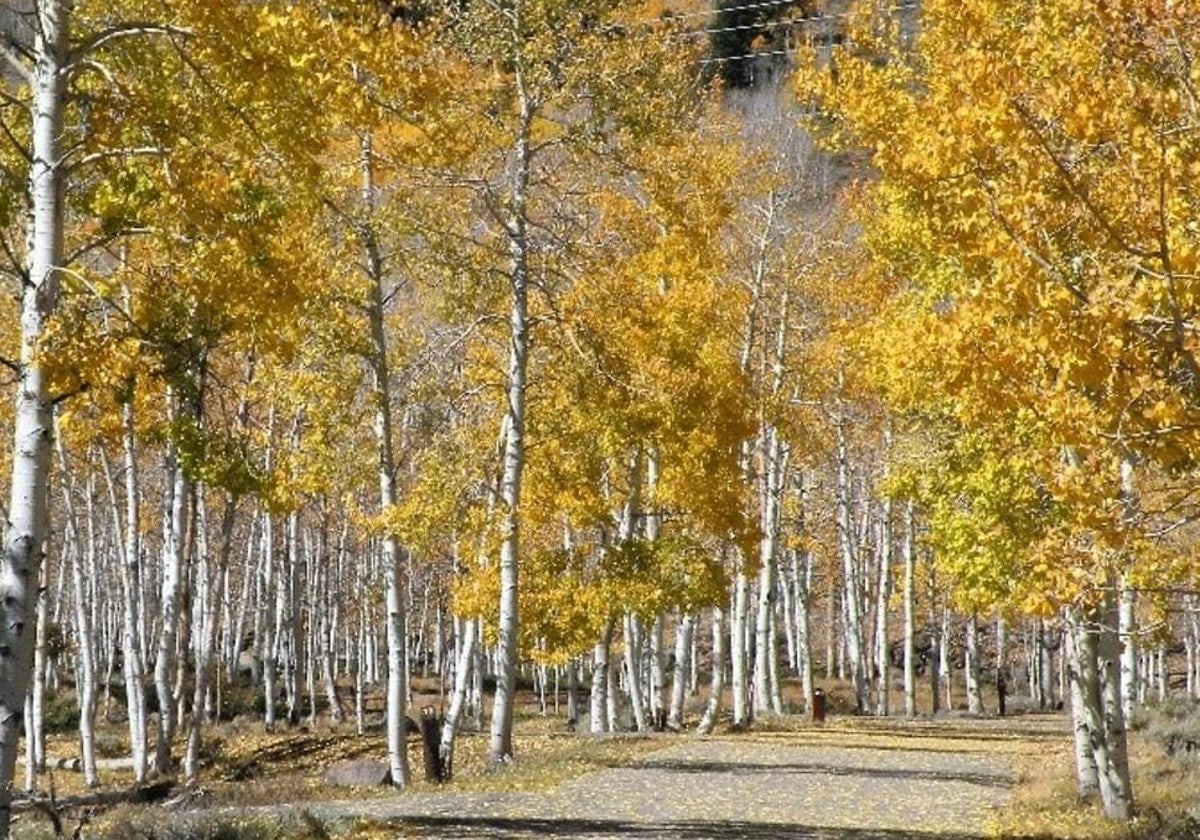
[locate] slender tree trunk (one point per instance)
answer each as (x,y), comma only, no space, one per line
(458,697)
(883,592)
(211,582)
(1102,711)
(1129,650)
(910,618)
(802,570)
(944,665)
(657,672)
(85,641)
(601,719)
(851,603)
(1086,773)
(500,747)
(176,494)
(717,686)
(393,559)
(775,469)
(972,669)
(738,655)
(270,622)
(633,656)
(1108,653)
(683,647)
(27,510)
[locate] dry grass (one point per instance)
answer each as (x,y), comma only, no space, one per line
(1045,803)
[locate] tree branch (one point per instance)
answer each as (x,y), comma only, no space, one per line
(116,33)
(133,151)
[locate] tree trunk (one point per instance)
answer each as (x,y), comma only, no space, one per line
(27,510)
(633,669)
(270,622)
(883,592)
(393,561)
(802,570)
(775,470)
(601,720)
(500,746)
(1086,774)
(211,583)
(738,654)
(85,641)
(972,669)
(910,618)
(683,647)
(175,506)
(458,697)
(717,686)
(852,607)
(1099,686)
(1129,650)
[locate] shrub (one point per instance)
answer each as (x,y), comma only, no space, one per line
(1175,725)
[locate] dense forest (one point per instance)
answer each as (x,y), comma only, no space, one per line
(602,342)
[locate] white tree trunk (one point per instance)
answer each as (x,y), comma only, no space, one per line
(500,746)
(852,606)
(765,655)
(883,592)
(458,697)
(176,491)
(679,674)
(802,570)
(24,544)
(393,558)
(1086,774)
(717,686)
(132,668)
(1098,679)
(211,583)
(972,669)
(1129,650)
(738,654)
(910,619)
(633,670)
(84,637)
(601,720)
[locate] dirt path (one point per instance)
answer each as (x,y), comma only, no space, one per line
(887,783)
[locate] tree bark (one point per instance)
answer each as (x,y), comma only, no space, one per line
(972,669)
(211,582)
(910,618)
(500,746)
(712,709)
(85,641)
(683,647)
(775,469)
(176,491)
(738,655)
(852,607)
(24,548)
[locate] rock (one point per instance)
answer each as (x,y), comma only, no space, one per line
(359,773)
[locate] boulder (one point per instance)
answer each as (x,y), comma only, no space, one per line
(358,773)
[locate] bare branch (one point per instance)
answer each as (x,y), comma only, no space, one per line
(133,151)
(116,33)
(103,242)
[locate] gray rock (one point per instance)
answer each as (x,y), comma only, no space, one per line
(359,773)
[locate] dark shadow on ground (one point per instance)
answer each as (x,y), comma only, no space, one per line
(485,828)
(801,768)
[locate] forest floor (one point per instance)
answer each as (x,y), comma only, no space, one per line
(952,777)
(852,781)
